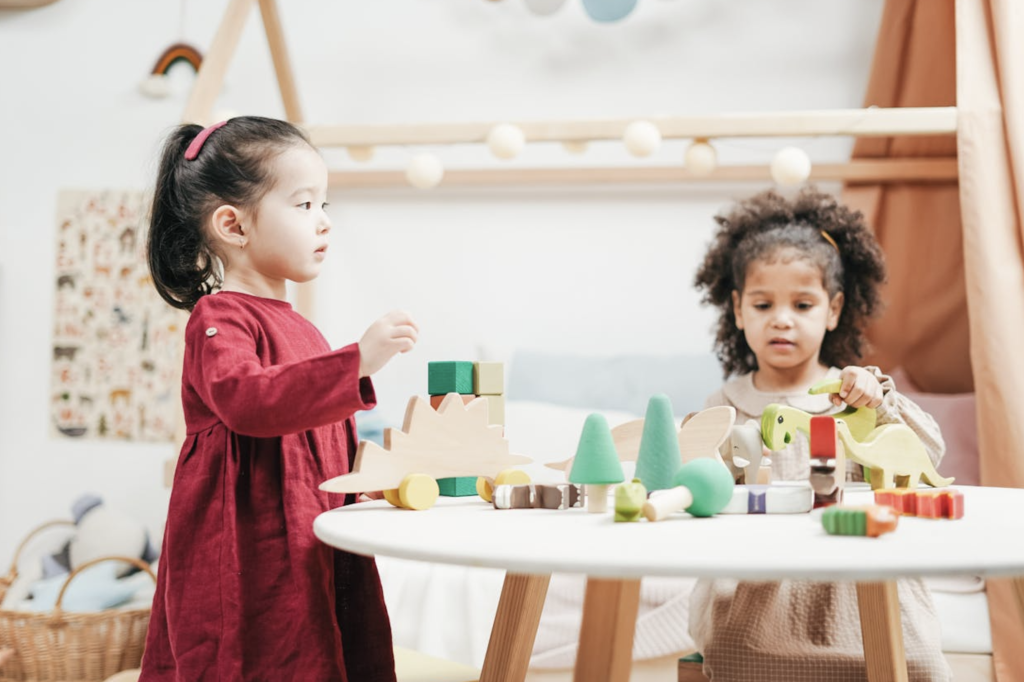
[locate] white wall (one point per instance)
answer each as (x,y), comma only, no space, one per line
(594,270)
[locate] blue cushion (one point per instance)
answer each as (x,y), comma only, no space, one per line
(94,589)
(617,382)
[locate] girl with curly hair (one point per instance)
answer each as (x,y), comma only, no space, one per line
(795,282)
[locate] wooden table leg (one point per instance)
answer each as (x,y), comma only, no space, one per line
(515,628)
(606,635)
(882,631)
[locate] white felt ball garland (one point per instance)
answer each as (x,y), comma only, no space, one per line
(544,7)
(506,141)
(642,138)
(701,159)
(791,166)
(424,171)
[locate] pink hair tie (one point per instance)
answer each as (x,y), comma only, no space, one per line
(193,149)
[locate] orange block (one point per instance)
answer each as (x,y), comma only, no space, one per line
(435,400)
(929,504)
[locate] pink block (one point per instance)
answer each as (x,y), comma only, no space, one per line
(823,437)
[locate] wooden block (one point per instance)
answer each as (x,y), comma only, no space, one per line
(691,669)
(538,496)
(488,378)
(929,506)
(495,409)
(793,497)
(629,500)
(869,520)
(823,437)
(457,486)
(952,504)
(449,377)
(436,400)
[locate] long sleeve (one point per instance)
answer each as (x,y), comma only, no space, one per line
(897,408)
(231,368)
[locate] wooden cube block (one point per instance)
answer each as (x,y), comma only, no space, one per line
(449,377)
(823,437)
(458,486)
(436,400)
(488,378)
(952,504)
(496,407)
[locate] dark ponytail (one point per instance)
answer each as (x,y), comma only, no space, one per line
(233,167)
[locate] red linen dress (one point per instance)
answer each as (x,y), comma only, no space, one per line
(245,591)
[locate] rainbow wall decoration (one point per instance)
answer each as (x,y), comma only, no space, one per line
(157,85)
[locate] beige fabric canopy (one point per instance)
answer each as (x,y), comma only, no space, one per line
(956,264)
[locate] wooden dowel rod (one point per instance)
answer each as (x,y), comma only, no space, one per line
(881,170)
(210,78)
(873,122)
(282,64)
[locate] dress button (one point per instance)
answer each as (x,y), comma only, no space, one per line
(211,331)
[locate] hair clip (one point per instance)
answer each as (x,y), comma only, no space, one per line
(829,239)
(193,148)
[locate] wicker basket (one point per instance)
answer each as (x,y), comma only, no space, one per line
(70,647)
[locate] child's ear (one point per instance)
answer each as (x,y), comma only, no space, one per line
(227,229)
(835,309)
(736,310)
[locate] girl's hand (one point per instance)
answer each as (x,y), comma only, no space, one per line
(394,333)
(860,388)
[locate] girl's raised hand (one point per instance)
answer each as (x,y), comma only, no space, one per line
(394,333)
(860,388)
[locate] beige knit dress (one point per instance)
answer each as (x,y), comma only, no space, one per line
(797,630)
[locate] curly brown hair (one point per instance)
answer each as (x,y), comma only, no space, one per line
(756,229)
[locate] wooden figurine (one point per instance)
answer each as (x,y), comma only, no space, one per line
(892,452)
(596,464)
(454,440)
(629,500)
(538,496)
(828,465)
(703,488)
(743,453)
(869,520)
(701,435)
(658,458)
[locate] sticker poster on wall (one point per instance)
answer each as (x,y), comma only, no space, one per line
(115,341)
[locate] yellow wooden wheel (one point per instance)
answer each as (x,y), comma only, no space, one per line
(393,497)
(418,491)
(485,486)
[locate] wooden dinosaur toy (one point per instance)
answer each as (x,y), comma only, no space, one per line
(893,452)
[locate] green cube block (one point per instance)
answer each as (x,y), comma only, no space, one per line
(449,377)
(460,486)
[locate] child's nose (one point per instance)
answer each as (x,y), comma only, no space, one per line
(325,225)
(782,319)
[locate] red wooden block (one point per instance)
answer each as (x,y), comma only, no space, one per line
(823,437)
(952,504)
(929,505)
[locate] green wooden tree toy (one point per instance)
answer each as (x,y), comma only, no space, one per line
(596,464)
(659,458)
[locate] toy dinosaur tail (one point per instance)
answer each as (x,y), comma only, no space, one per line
(932,478)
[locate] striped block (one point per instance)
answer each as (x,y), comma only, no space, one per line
(488,378)
(775,498)
(929,504)
(449,377)
(458,486)
(870,520)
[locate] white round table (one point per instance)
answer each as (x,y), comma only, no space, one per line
(533,543)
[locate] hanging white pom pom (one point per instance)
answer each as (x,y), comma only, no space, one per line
(608,10)
(506,140)
(544,7)
(575,146)
(642,138)
(701,158)
(791,166)
(156,86)
(424,171)
(360,152)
